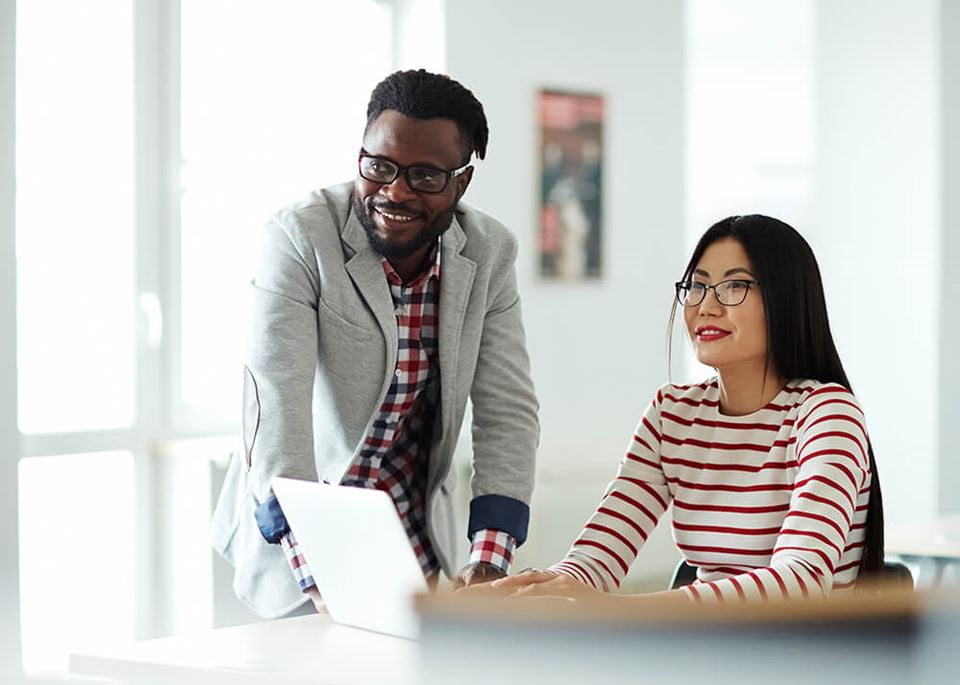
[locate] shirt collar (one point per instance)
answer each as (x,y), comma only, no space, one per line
(432,272)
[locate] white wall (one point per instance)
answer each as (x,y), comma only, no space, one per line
(949,372)
(419,37)
(877,233)
(9,437)
(597,348)
(879,226)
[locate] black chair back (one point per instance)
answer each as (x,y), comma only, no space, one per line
(683,575)
(897,573)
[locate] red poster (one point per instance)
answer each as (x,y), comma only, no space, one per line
(571,159)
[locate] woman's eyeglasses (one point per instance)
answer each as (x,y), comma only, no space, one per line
(728,293)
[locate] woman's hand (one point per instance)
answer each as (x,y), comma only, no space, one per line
(540,584)
(534,584)
(507,585)
(530,576)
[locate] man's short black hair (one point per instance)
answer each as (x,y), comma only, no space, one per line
(421,95)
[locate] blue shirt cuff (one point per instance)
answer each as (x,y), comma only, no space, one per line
(499,512)
(271,521)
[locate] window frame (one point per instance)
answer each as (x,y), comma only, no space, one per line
(9,434)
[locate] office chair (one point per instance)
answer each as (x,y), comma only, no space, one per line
(897,573)
(683,575)
(894,573)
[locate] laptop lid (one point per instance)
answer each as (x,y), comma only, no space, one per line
(358,552)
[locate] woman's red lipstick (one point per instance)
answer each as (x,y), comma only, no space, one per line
(710,333)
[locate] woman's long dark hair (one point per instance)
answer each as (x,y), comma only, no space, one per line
(799,341)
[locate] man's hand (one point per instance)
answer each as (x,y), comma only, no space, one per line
(475,574)
(317,600)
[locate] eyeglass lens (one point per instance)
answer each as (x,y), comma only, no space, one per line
(420,178)
(729,293)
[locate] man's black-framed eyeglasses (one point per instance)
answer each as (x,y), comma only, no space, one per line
(423,179)
(728,293)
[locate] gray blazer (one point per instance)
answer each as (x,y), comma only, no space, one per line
(323,350)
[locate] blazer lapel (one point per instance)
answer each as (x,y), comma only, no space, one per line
(456,281)
(366,271)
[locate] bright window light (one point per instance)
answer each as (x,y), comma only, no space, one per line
(273,105)
(750,115)
(750,109)
(76,555)
(74,232)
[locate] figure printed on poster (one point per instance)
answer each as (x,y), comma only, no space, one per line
(571,149)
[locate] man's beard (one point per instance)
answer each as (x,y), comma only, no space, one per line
(385,248)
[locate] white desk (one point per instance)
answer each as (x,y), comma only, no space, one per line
(304,650)
(934,543)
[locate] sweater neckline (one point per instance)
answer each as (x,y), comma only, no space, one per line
(775,404)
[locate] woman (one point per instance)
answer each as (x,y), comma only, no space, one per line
(768,465)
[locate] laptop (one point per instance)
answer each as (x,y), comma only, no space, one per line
(358,552)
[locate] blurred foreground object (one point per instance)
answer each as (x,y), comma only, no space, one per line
(933,546)
(890,635)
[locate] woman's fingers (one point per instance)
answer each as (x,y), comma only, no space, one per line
(547,599)
(529,577)
(482,590)
(558,586)
(532,585)
(552,586)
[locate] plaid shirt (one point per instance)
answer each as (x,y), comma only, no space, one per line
(395,452)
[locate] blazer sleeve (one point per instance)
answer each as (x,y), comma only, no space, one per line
(282,357)
(506,430)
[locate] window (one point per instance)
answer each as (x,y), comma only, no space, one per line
(750,114)
(75,216)
(271,109)
(76,555)
(241,105)
(76,333)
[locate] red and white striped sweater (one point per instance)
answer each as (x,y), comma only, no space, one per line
(767,505)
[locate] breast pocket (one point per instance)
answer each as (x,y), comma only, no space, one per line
(350,368)
(336,329)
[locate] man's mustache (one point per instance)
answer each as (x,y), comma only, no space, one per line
(386,205)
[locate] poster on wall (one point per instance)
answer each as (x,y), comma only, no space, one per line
(571,164)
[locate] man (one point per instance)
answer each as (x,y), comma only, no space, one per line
(380,307)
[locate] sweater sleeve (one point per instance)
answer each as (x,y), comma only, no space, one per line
(832,453)
(630,509)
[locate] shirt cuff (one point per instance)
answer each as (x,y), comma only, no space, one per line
(271,521)
(297,562)
(494,548)
(499,512)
